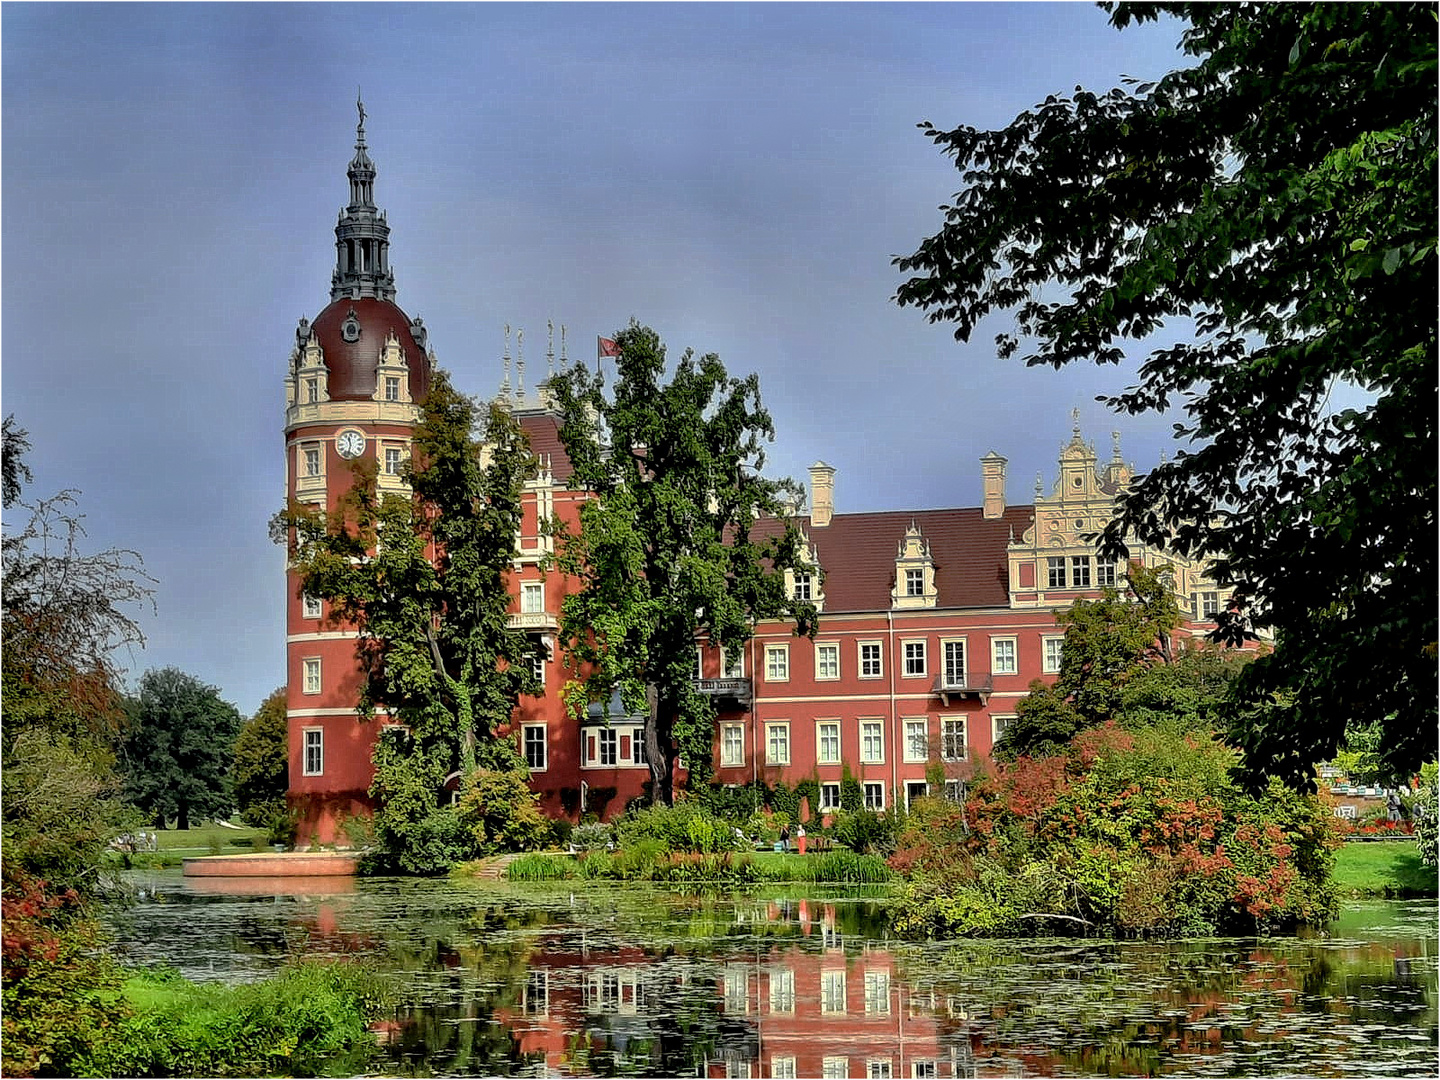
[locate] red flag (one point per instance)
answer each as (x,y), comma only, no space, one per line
(605,347)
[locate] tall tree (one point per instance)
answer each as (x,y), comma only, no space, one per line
(179,749)
(685,539)
(262,763)
(1279,197)
(1109,643)
(424,578)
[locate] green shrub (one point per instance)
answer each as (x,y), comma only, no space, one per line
(847,866)
(867,832)
(592,836)
(1426,819)
(540,867)
(501,813)
(686,826)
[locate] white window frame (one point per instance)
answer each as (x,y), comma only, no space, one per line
(831,1002)
(394,458)
(777,742)
(948,725)
(310,607)
(835,1068)
(924,1069)
(803,585)
(874,795)
(1105,574)
(914,581)
(392,387)
(532,597)
(728,759)
(732,668)
(783,1067)
(607,738)
(821,755)
(312,675)
(637,747)
(909,655)
(998,724)
(777,663)
(830,795)
(877,993)
(872,744)
(879,1069)
(1054,563)
(312,390)
(312,461)
(1012,667)
(544,744)
(1052,652)
(312,741)
(913,752)
(1080,572)
(782,991)
(830,649)
(948,670)
(862,661)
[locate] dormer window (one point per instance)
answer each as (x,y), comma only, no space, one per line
(807,584)
(914,572)
(914,582)
(392,388)
(312,391)
(802,585)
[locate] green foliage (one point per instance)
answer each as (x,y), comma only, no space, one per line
(868,832)
(1426,817)
(501,812)
(1278,196)
(1132,833)
(310,1019)
(540,867)
(684,540)
(262,764)
(686,826)
(435,644)
(842,866)
(852,792)
(179,751)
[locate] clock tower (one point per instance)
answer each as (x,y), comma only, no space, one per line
(356,377)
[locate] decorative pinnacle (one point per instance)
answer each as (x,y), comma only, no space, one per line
(505,384)
(1039,485)
(1075,421)
(360,127)
(563,358)
(1115,442)
(520,364)
(550,349)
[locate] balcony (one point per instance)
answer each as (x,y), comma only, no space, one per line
(969,684)
(737,691)
(534,620)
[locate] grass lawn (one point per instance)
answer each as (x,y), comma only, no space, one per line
(206,838)
(1384,868)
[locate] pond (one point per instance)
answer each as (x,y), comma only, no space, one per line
(504,980)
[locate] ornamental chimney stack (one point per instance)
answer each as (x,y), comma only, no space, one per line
(992,475)
(822,494)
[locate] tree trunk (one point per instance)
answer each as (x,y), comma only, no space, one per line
(662,788)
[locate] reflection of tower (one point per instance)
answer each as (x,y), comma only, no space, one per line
(355,379)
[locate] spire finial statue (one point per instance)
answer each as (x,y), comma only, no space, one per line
(360,127)
(1039,485)
(1115,443)
(550,349)
(1075,421)
(564,359)
(505,383)
(520,364)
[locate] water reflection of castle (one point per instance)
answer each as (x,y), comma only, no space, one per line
(781,1009)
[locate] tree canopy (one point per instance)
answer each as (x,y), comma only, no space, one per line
(179,749)
(424,577)
(669,552)
(262,763)
(1274,204)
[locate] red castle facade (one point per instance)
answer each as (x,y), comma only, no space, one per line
(933,622)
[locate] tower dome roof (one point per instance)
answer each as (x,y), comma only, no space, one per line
(353,347)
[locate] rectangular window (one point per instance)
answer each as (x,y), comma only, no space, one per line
(609,746)
(917,740)
(311,606)
(872,741)
(874,795)
(879,1069)
(914,582)
(952,738)
(1056,565)
(393,458)
(782,991)
(1050,661)
(998,724)
(312,461)
(777,744)
(1080,571)
(832,992)
(314,751)
(955,790)
(532,597)
(638,755)
(732,663)
(311,678)
(737,990)
(827,660)
(829,796)
(1207,605)
(782,1068)
(1002,656)
(312,391)
(924,1070)
(870,660)
(954,663)
(914,658)
(392,388)
(537,665)
(736,1069)
(777,663)
(1105,573)
(835,1068)
(535,747)
(827,742)
(732,744)
(537,993)
(802,585)
(877,993)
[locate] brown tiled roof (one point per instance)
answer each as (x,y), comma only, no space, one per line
(544,432)
(352,364)
(857,553)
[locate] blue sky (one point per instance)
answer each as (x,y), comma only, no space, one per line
(736,176)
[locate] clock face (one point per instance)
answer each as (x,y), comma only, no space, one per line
(350,443)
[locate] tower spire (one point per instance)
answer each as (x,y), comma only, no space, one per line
(362,236)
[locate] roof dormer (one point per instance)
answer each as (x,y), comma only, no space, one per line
(807,582)
(914,572)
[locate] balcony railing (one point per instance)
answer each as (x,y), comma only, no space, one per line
(967,684)
(737,689)
(534,620)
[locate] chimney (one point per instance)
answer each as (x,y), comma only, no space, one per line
(992,475)
(822,494)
